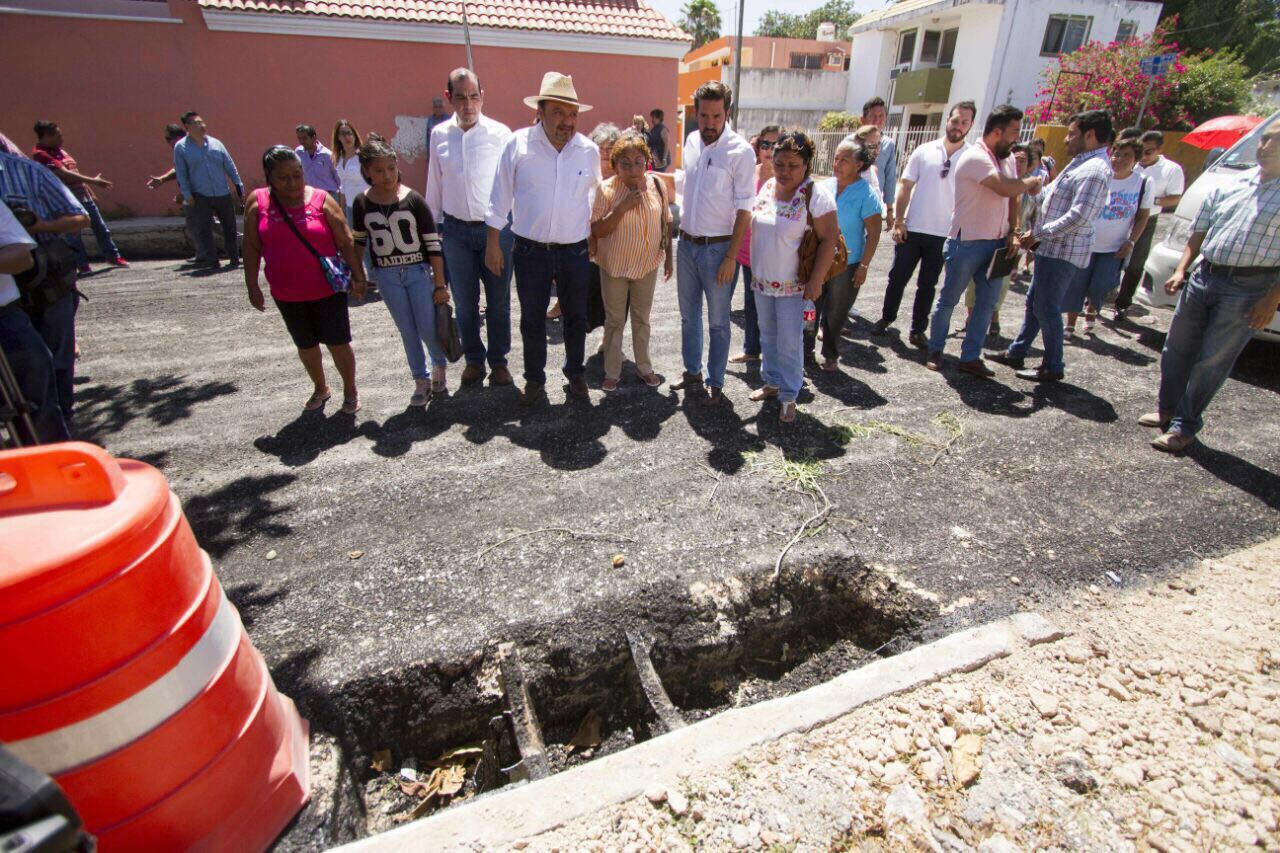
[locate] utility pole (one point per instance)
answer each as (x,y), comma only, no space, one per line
(737,66)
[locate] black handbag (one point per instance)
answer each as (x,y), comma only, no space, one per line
(447,332)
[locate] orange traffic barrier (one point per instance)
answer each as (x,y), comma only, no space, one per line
(127,674)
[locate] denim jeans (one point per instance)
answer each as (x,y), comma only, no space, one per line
(1097,280)
(407,292)
(967,261)
(57,326)
(782,342)
(1044,311)
(204,208)
(32,364)
(922,249)
(536,267)
(464,244)
(696,268)
(1209,329)
(750,323)
(106,246)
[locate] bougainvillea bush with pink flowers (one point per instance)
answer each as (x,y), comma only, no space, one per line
(1106,75)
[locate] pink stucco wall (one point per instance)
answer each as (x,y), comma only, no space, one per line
(113,85)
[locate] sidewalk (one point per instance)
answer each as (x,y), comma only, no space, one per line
(156,237)
(1155,725)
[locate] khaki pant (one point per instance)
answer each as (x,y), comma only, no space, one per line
(617,291)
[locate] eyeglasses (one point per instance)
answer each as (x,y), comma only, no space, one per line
(767,144)
(946,167)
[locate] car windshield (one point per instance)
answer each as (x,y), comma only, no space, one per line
(1245,153)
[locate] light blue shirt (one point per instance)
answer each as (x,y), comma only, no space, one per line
(858,201)
(204,169)
(886,166)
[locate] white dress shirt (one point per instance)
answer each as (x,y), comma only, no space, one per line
(1165,176)
(460,171)
(933,199)
(719,180)
(547,192)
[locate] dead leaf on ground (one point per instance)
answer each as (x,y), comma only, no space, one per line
(355,555)
(454,756)
(452,779)
(966,759)
(588,735)
(381,760)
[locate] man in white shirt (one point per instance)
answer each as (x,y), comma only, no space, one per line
(545,179)
(921,228)
(719,188)
(464,157)
(28,355)
(1167,182)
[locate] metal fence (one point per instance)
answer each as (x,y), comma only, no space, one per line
(826,141)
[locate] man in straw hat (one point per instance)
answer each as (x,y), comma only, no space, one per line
(545,178)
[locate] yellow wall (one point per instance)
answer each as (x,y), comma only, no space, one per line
(1190,158)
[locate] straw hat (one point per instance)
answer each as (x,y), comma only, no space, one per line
(557,87)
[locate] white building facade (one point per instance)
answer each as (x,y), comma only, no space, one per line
(921,56)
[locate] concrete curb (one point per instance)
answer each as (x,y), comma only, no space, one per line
(529,810)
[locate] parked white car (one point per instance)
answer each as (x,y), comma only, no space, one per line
(1165,255)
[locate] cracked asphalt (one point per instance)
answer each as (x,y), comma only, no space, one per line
(1047,488)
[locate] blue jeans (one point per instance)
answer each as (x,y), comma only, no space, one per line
(1207,333)
(32,364)
(1044,311)
(407,292)
(966,261)
(1096,281)
(782,342)
(106,245)
(57,326)
(751,325)
(696,268)
(536,267)
(464,244)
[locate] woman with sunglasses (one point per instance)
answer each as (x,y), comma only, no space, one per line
(779,219)
(763,144)
(288,224)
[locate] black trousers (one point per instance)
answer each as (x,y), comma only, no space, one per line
(1133,273)
(926,251)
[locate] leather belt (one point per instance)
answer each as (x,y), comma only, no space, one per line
(1219,269)
(549,246)
(704,241)
(449,217)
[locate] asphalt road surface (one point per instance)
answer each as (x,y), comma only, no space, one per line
(1039,490)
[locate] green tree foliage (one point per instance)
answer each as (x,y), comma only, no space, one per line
(795,26)
(1251,28)
(840,121)
(700,19)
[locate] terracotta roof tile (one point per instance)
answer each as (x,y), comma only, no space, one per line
(633,18)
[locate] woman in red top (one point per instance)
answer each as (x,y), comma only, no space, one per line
(312,312)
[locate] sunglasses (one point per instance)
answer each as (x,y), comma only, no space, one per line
(766,144)
(946,168)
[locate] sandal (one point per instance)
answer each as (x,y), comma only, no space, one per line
(439,384)
(609,385)
(351,405)
(316,400)
(788,412)
(764,393)
(651,379)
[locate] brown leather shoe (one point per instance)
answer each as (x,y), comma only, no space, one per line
(977,368)
(934,361)
(472,373)
(714,397)
(498,376)
(1173,442)
(690,382)
(578,388)
(1155,419)
(532,393)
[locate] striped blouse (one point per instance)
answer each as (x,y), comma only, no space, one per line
(635,247)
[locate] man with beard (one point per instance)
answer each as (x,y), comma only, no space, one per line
(719,188)
(921,229)
(545,178)
(986,210)
(1063,241)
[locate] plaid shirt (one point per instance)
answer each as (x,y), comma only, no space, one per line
(1071,203)
(25,183)
(1242,222)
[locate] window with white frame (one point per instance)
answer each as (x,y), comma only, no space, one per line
(929,46)
(1065,34)
(906,47)
(947,52)
(1127,30)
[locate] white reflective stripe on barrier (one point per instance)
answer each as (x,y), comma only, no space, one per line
(79,743)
